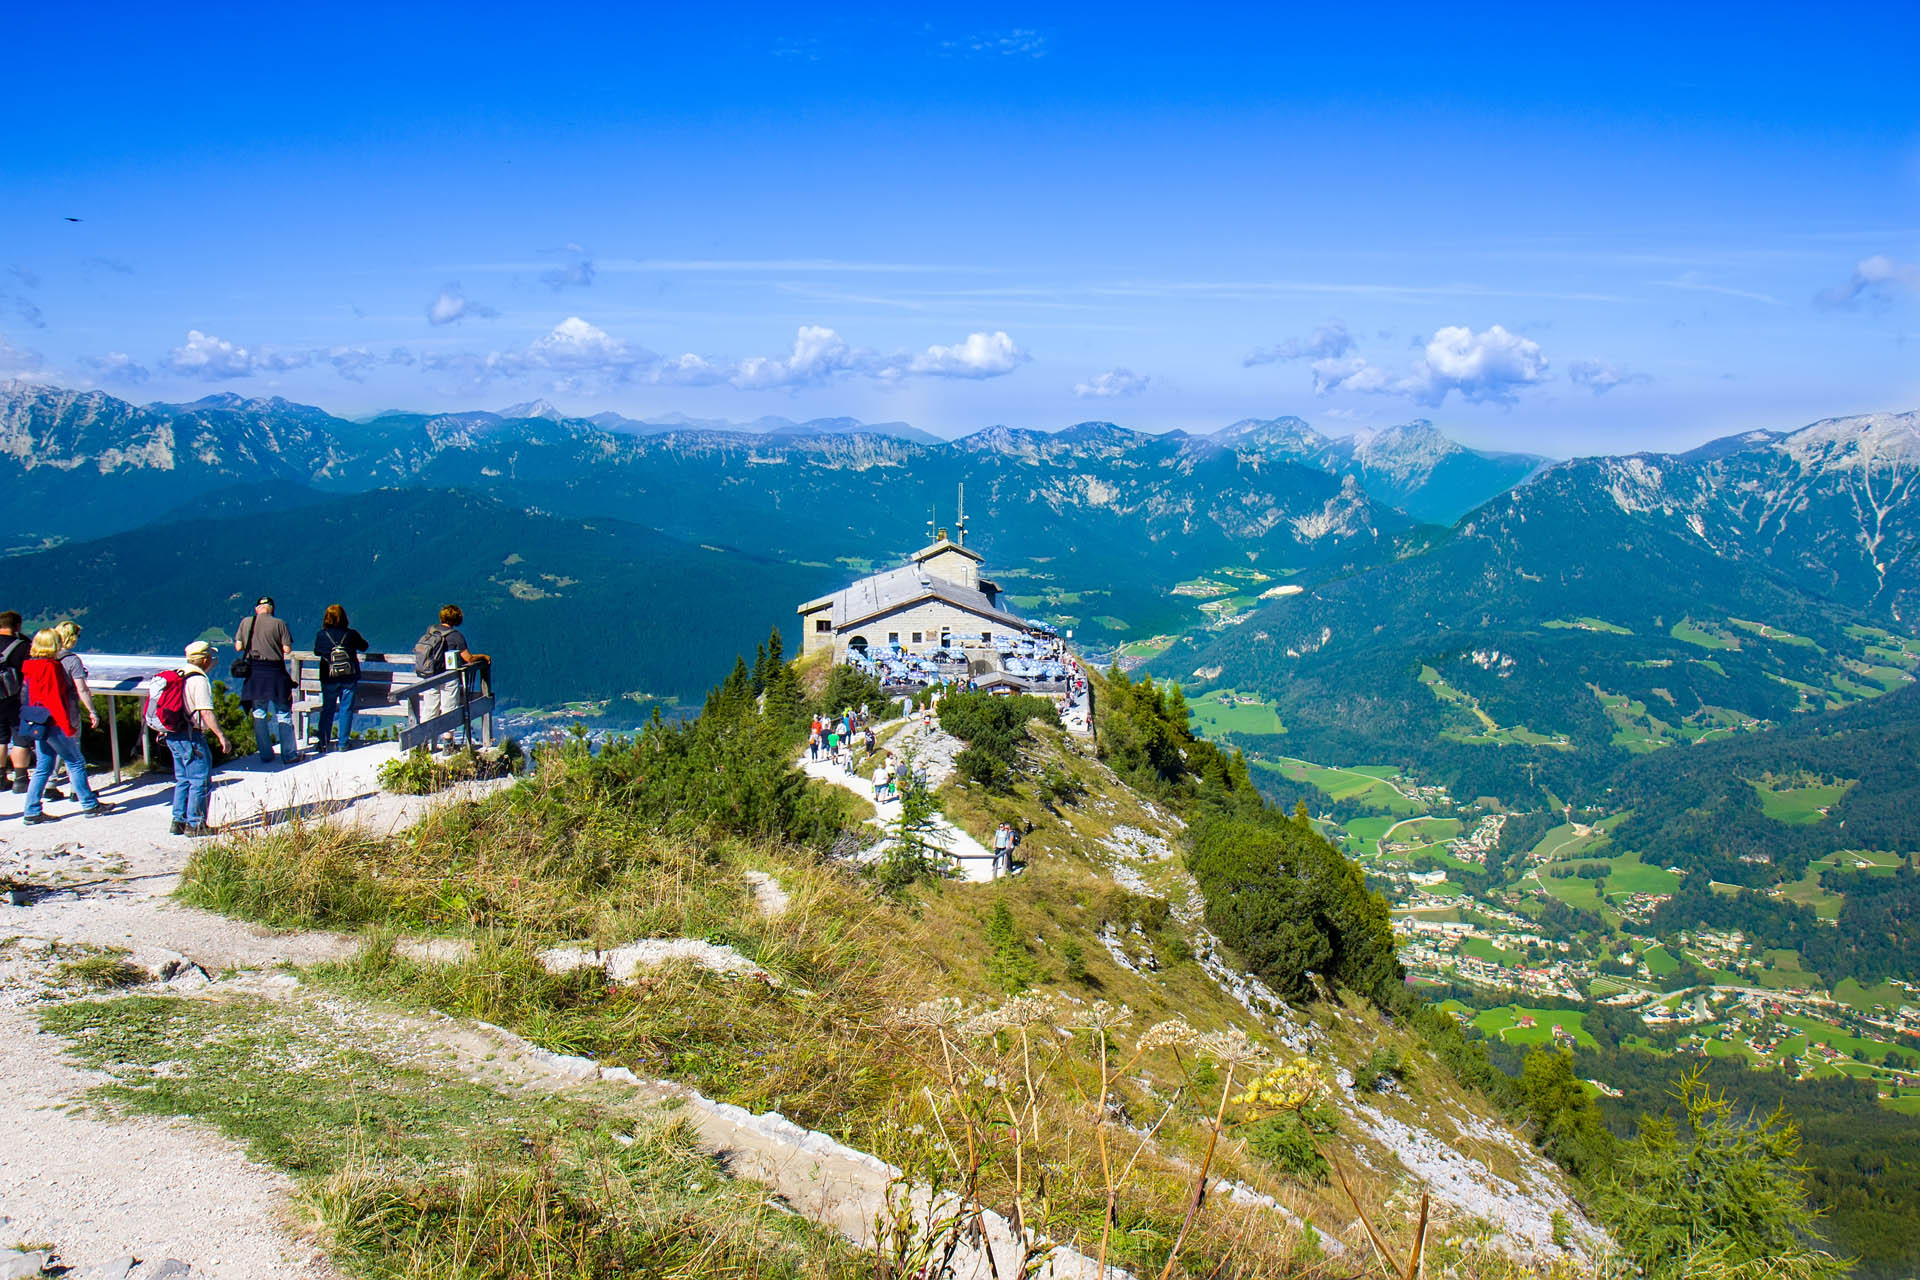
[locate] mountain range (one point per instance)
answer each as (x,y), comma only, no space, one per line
(1330,575)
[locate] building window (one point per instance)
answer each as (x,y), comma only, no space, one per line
(893,637)
(916,637)
(822,625)
(986,637)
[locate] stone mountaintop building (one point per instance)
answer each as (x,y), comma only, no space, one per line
(936,601)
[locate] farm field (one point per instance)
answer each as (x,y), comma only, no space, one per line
(1368,787)
(1587,624)
(1688,632)
(1799,805)
(1230,711)
(1504,1023)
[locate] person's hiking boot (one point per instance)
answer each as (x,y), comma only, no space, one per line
(35,819)
(177,829)
(20,784)
(100,810)
(53,793)
(202,831)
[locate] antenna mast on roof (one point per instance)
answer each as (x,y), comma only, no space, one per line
(960,523)
(933,522)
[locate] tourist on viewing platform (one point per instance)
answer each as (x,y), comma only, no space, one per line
(263,645)
(185,729)
(13,654)
(67,633)
(338,646)
(444,648)
(50,718)
(882,775)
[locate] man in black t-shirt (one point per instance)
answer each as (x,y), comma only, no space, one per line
(13,652)
(454,654)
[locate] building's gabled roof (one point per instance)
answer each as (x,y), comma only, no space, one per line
(898,588)
(933,549)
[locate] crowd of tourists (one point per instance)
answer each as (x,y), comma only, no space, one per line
(46,703)
(1040,657)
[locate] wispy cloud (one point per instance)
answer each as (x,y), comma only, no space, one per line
(1694,282)
(26,308)
(1602,376)
(1256,289)
(575,272)
(453,305)
(739,266)
(117,366)
(18,362)
(1112,384)
(1875,279)
(1328,342)
(1015,42)
(1491,366)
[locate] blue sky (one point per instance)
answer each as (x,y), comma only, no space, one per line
(1549,230)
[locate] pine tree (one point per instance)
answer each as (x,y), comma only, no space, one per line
(1720,1194)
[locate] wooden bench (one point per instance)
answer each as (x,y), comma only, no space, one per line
(389,690)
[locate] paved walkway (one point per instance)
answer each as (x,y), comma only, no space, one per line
(972,860)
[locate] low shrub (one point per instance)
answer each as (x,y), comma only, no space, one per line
(420,772)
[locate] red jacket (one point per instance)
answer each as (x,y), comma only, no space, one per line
(47,684)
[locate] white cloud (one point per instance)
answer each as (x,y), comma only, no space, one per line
(1111,384)
(577,354)
(1488,366)
(18,361)
(1602,376)
(117,366)
(1878,279)
(819,355)
(1328,342)
(215,360)
(453,305)
(981,355)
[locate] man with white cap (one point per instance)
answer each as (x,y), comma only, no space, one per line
(186,735)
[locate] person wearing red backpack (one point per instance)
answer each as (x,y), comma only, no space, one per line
(182,710)
(50,714)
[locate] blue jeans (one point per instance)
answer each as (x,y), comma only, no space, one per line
(278,716)
(49,745)
(336,700)
(192,777)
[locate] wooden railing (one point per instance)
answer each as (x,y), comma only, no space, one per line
(389,689)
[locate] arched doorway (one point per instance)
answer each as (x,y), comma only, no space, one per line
(859,643)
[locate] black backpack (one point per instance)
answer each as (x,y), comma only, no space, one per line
(339,665)
(9,672)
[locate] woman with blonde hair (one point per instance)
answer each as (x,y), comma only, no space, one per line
(67,632)
(50,714)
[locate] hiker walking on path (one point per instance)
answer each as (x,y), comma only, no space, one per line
(182,711)
(13,654)
(444,648)
(1003,849)
(50,717)
(263,645)
(338,646)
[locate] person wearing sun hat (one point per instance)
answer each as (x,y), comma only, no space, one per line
(192,757)
(264,643)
